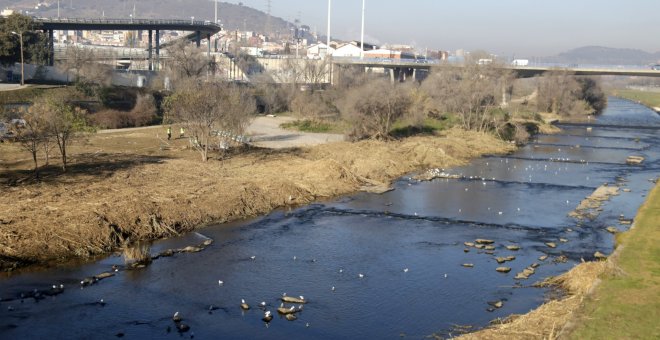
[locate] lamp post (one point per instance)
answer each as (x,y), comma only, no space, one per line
(362,35)
(192,20)
(329,17)
(20,36)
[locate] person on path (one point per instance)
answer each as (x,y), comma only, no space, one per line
(169,133)
(181,132)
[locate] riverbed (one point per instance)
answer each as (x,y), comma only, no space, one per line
(370,266)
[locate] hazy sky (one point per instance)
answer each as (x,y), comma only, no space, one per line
(524,28)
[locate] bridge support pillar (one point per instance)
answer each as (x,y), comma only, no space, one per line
(151,46)
(51,48)
(157,66)
(198,38)
(208,38)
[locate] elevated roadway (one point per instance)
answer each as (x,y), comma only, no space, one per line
(200,28)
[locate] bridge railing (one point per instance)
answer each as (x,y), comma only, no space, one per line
(105,21)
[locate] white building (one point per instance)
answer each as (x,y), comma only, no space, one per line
(347,51)
(319,51)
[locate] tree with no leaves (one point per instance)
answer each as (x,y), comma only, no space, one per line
(211,112)
(64,121)
(185,62)
(374,107)
(472,92)
(31,134)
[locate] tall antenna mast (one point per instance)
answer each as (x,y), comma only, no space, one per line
(267,29)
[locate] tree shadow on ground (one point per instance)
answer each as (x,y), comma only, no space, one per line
(98,165)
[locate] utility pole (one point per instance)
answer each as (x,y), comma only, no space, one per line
(216,12)
(58,8)
(329,17)
(362,35)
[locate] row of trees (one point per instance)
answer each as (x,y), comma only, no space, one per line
(475,96)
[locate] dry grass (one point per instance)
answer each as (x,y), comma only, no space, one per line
(124,186)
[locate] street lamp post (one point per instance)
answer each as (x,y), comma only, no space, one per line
(362,35)
(20,37)
(192,20)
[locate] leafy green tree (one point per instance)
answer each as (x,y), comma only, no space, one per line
(35,42)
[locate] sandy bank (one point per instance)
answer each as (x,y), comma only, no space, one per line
(125,191)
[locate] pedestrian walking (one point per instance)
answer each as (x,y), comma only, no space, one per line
(169,133)
(181,132)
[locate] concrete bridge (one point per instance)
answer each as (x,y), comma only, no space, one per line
(200,28)
(401,69)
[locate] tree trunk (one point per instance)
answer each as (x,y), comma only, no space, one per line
(36,165)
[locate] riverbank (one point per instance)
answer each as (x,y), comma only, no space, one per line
(647,98)
(129,186)
(615,298)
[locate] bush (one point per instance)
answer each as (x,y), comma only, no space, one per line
(143,114)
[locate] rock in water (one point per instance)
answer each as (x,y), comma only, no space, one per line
(513,248)
(484,241)
(600,256)
(503,269)
(551,244)
(468,265)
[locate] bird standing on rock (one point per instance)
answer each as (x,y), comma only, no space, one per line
(268,316)
(244,305)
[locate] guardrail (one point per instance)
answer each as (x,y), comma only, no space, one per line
(104,21)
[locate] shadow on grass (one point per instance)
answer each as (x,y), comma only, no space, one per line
(97,165)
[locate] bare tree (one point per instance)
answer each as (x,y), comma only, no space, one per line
(211,112)
(31,132)
(185,62)
(64,121)
(374,107)
(471,92)
(558,92)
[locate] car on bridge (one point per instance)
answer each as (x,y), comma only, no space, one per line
(655,67)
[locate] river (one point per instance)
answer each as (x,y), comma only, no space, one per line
(408,246)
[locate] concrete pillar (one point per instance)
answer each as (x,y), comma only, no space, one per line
(157,50)
(51,48)
(198,38)
(151,46)
(392,75)
(208,38)
(414,74)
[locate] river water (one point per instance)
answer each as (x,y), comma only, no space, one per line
(407,244)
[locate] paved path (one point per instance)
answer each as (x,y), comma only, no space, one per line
(266,132)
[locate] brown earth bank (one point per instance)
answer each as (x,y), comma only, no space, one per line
(129,186)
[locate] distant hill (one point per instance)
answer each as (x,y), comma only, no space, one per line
(233,16)
(598,55)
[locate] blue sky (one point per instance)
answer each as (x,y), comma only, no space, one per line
(505,27)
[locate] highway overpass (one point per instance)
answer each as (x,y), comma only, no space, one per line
(201,29)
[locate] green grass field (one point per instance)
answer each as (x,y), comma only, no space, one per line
(627,306)
(647,98)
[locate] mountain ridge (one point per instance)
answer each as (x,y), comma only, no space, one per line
(602,55)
